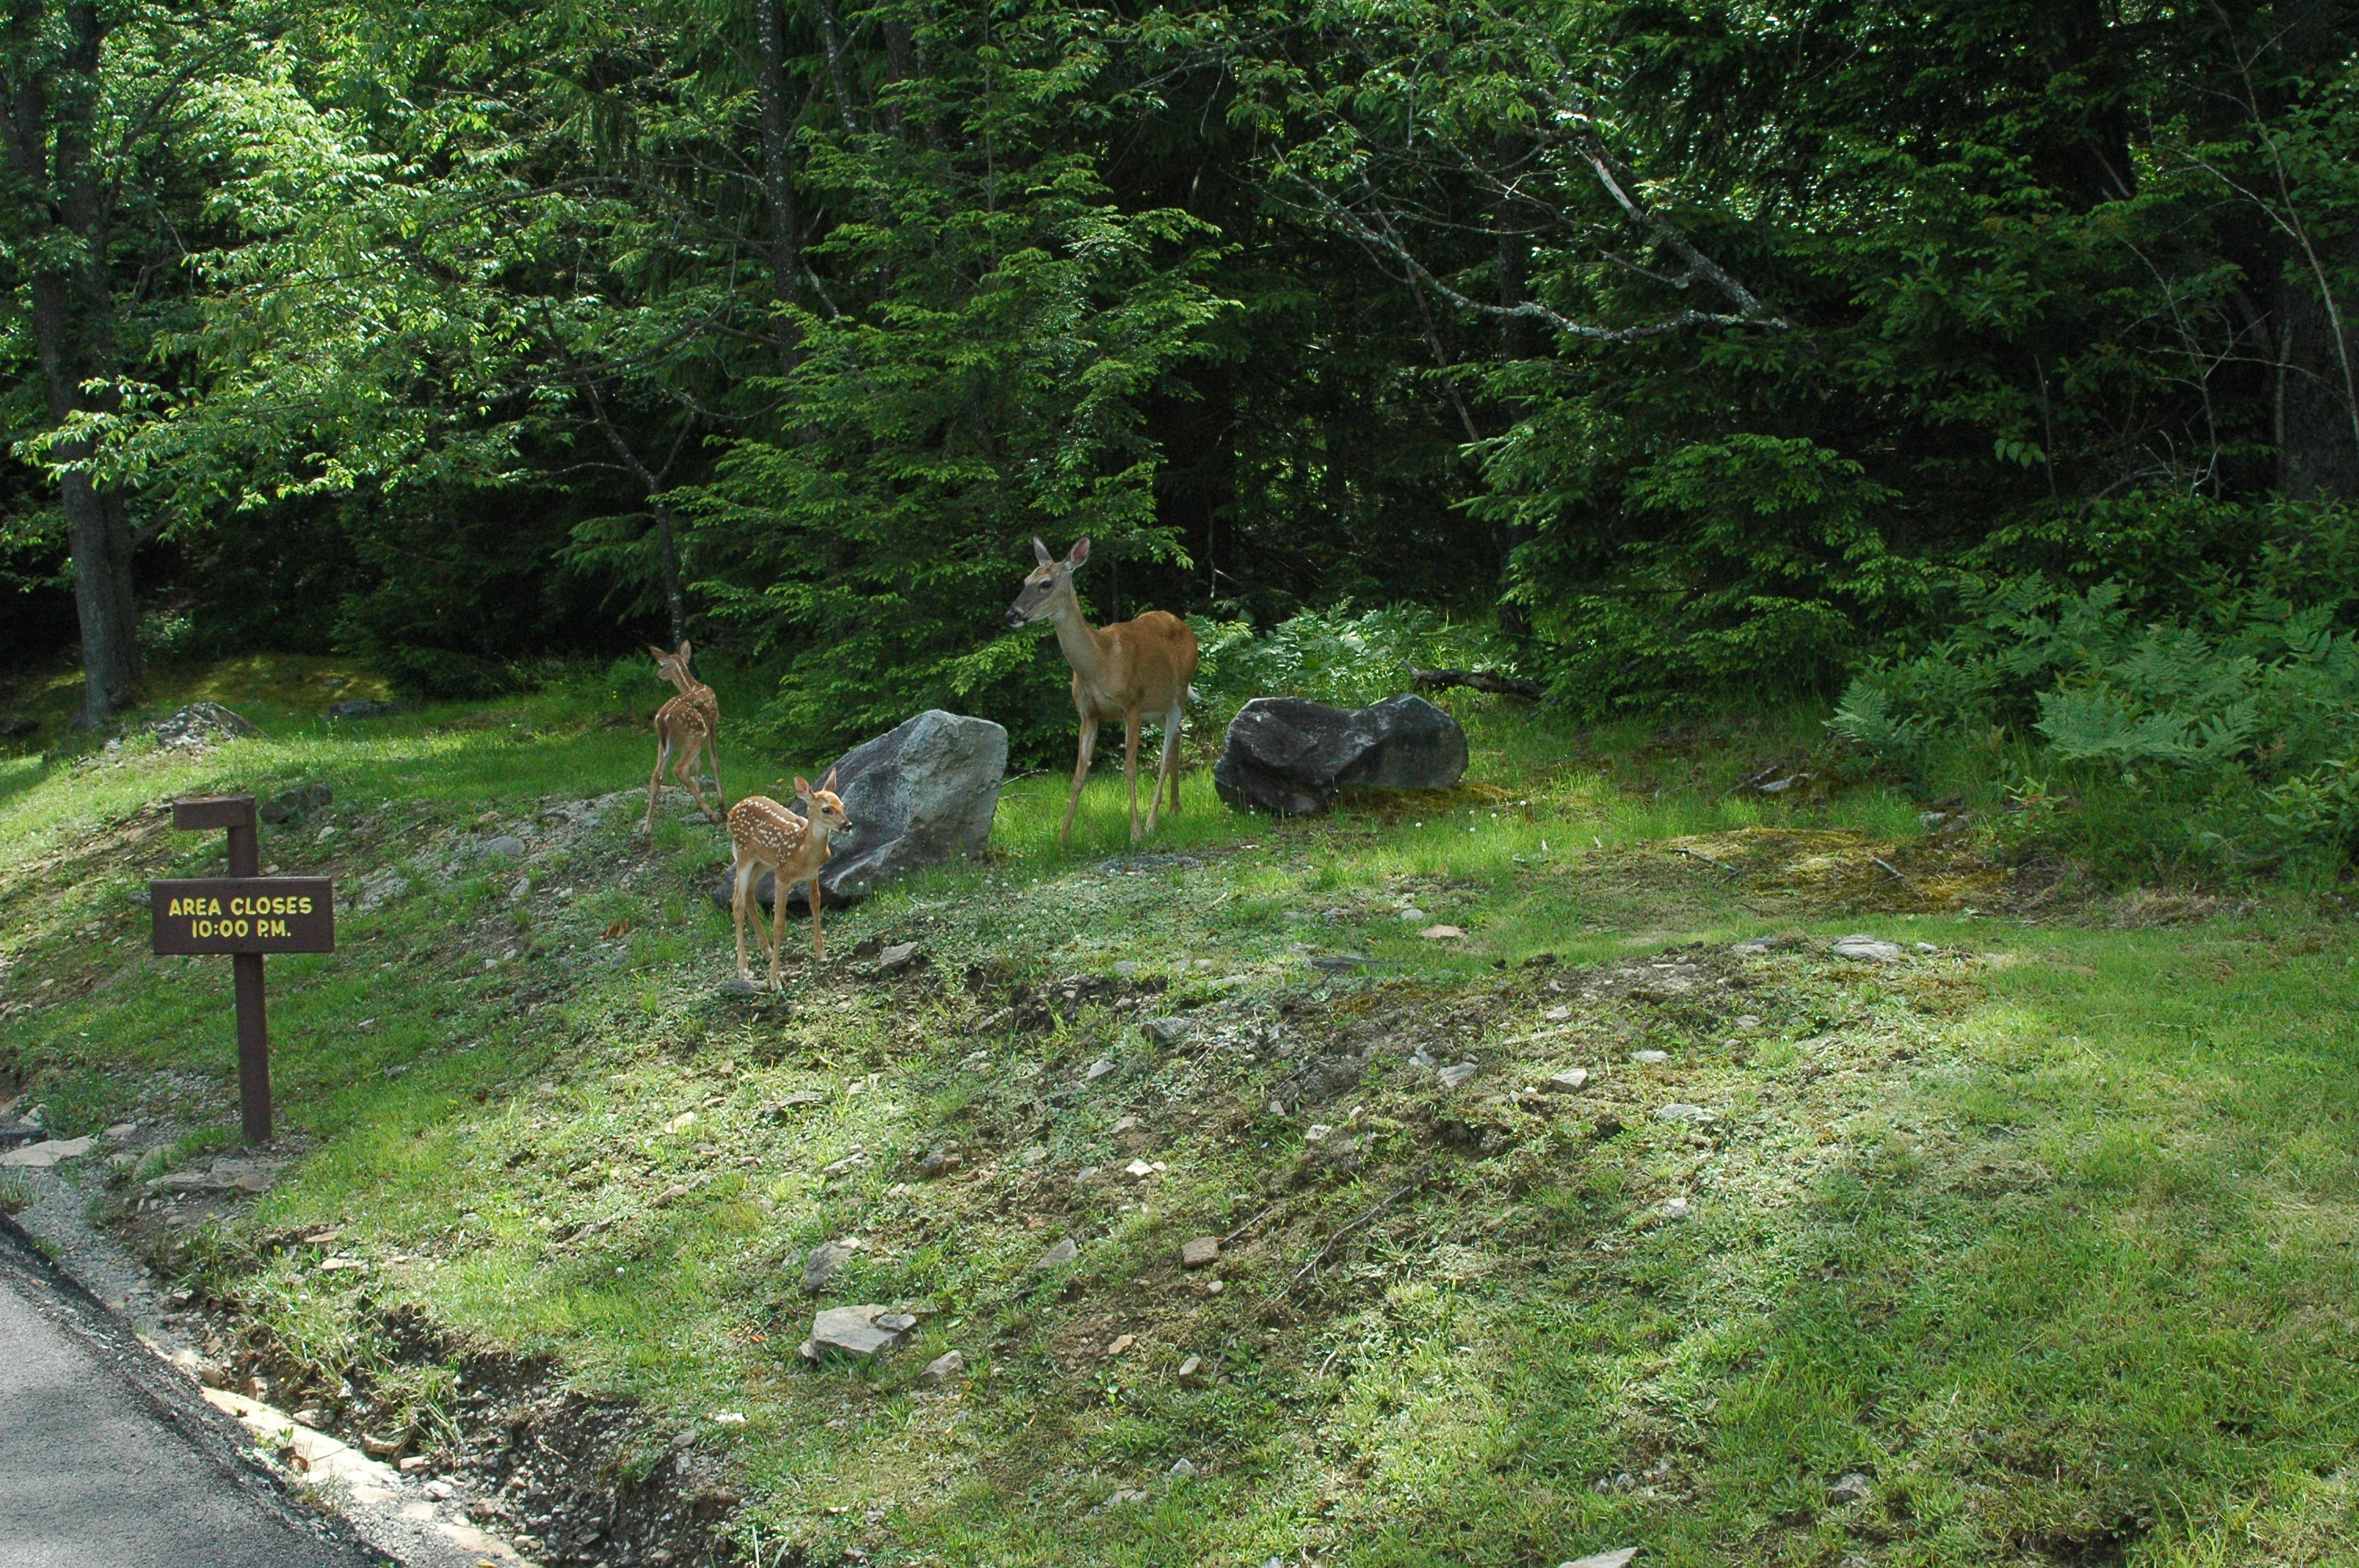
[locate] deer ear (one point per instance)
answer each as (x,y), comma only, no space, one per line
(683,648)
(1080,553)
(658,652)
(1040,551)
(830,785)
(802,787)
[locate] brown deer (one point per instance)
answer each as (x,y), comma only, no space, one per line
(1131,670)
(768,838)
(687,725)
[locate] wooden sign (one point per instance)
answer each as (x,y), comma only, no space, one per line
(243,914)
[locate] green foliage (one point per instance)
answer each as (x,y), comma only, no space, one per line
(2238,736)
(1334,657)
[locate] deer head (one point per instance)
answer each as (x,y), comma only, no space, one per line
(673,668)
(822,807)
(1047,588)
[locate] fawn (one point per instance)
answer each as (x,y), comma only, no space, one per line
(767,837)
(688,724)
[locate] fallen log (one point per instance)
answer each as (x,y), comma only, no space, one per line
(1480,680)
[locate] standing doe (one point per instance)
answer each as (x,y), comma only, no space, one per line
(688,724)
(767,837)
(1130,670)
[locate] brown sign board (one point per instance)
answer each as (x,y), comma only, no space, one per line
(243,914)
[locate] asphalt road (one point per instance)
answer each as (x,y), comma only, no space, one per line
(110,1459)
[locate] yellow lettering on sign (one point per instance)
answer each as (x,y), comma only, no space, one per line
(213,906)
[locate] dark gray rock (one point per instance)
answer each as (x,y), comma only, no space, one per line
(200,724)
(360,707)
(297,803)
(920,794)
(1289,756)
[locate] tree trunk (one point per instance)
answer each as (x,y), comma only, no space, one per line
(1514,343)
(2318,428)
(779,181)
(46,113)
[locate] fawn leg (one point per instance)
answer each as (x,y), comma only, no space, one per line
(1081,773)
(655,779)
(1130,724)
(778,891)
(686,774)
(737,910)
(720,796)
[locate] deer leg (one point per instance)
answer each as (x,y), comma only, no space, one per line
(1163,770)
(655,779)
(712,745)
(1171,751)
(1130,725)
(1081,773)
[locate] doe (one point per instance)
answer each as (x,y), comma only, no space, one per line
(688,724)
(767,837)
(1130,670)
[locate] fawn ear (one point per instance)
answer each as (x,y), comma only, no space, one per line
(830,785)
(683,650)
(1080,553)
(802,787)
(1040,551)
(658,652)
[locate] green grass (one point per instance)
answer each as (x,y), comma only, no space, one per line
(2047,1232)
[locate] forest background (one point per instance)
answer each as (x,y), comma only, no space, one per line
(1983,367)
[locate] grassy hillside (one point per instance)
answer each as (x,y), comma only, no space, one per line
(2041,1231)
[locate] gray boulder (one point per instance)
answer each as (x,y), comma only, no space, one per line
(920,794)
(1289,756)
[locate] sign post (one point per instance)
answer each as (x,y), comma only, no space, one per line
(243,914)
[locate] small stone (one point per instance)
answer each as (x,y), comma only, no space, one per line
(1681,1111)
(439,1491)
(1316,1133)
(1650,1059)
(1201,1252)
(1057,1256)
(1138,1170)
(686,1439)
(1164,1031)
(360,707)
(798,1100)
(1441,932)
(1675,1208)
(1853,1488)
(1746,1023)
(1126,969)
(736,985)
(1421,1057)
(1557,1014)
(413,1463)
(896,957)
(1617,1559)
(503,847)
(942,1369)
(1866,949)
(824,1259)
(1929,949)
(1754,946)
(121,1129)
(1122,1342)
(1215,1287)
(858,1331)
(1569,1082)
(1124,1124)
(1452,1077)
(1412,913)
(1192,1374)
(1034,1154)
(1098,1069)
(521,889)
(41,1156)
(939,1163)
(1336,963)
(1181,1470)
